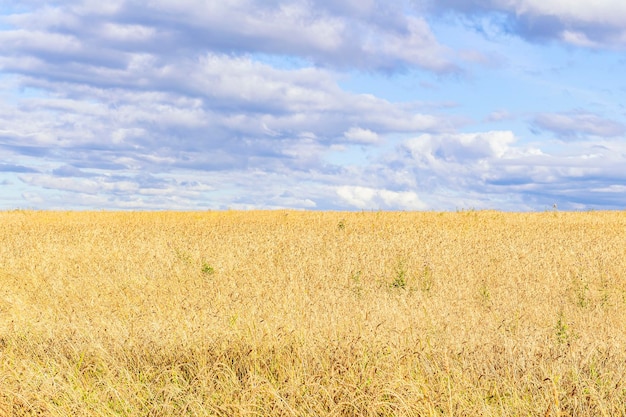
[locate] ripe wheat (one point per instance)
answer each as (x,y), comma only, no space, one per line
(312,313)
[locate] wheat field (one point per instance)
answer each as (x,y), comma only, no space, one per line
(286,313)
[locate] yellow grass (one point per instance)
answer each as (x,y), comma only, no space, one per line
(312,314)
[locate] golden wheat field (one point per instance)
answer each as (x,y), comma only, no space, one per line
(285,313)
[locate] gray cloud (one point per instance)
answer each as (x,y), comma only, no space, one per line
(490,169)
(129,105)
(15,168)
(117,191)
(578,124)
(217,112)
(70,171)
(443,171)
(336,34)
(171,88)
(598,24)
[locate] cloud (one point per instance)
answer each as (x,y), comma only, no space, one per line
(498,116)
(597,24)
(197,104)
(70,171)
(492,169)
(214,112)
(372,35)
(15,168)
(578,125)
(373,198)
(461,147)
(173,88)
(359,135)
(115,191)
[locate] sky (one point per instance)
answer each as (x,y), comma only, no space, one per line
(442,105)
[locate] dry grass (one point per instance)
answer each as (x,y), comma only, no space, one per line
(307,314)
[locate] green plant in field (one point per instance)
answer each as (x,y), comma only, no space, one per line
(580,290)
(356,279)
(485,294)
(183,256)
(207,269)
(427,282)
(341,225)
(563,333)
(582,298)
(400,278)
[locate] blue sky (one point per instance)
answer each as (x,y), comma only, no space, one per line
(313,104)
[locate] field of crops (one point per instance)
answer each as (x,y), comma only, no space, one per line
(284,313)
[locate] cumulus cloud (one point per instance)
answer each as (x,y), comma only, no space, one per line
(215,112)
(373,198)
(461,147)
(120,89)
(208,104)
(487,169)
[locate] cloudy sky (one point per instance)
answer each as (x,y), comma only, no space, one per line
(313,104)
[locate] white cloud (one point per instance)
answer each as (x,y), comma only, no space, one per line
(79,189)
(578,38)
(216,111)
(371,36)
(613,188)
(374,198)
(359,135)
(127,33)
(461,147)
(38,42)
(418,46)
(193,103)
(490,169)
